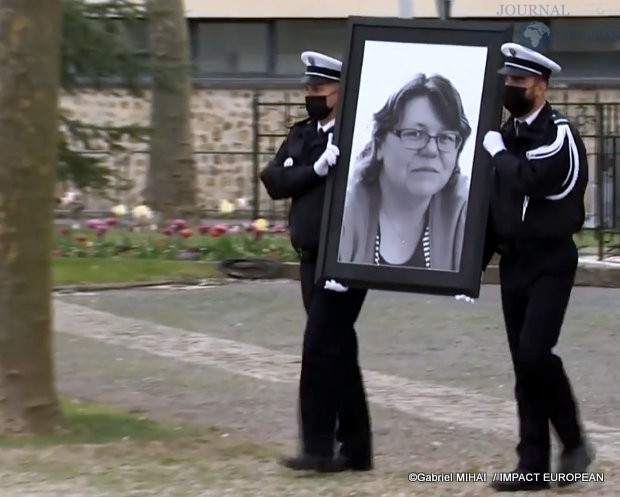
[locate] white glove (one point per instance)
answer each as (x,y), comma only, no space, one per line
(493,143)
(328,157)
(465,298)
(333,285)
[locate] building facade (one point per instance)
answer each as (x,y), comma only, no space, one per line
(247,68)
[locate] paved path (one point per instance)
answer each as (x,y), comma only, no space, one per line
(437,371)
(610,261)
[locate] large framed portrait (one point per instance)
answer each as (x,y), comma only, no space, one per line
(406,205)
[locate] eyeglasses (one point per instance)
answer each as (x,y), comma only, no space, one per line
(415,139)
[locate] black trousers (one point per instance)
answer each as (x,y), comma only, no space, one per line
(332,398)
(536,284)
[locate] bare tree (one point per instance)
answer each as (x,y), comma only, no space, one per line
(171,179)
(29,80)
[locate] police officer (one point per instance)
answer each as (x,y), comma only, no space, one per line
(540,176)
(332,400)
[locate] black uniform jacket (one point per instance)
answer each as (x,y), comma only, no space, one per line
(539,183)
(290,174)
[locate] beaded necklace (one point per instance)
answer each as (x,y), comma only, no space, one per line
(426,245)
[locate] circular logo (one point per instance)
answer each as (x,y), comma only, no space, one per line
(533,34)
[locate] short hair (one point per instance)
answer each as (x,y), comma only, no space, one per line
(444,98)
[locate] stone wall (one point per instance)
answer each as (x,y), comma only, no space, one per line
(223,124)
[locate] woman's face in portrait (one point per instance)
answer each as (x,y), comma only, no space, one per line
(419,154)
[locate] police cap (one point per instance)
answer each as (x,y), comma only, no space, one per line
(320,68)
(523,61)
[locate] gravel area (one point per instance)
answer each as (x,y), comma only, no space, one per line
(419,337)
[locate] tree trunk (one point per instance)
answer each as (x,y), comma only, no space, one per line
(171,178)
(29,81)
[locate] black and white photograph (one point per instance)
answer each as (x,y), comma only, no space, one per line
(408,196)
(412,155)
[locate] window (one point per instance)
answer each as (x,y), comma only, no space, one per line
(232,47)
(580,66)
(138,36)
(296,36)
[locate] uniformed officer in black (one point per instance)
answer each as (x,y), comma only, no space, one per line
(540,176)
(332,400)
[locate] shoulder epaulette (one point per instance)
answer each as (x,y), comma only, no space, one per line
(558,118)
(300,123)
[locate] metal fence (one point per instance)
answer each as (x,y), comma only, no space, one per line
(598,124)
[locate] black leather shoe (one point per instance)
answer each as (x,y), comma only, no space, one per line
(519,480)
(304,462)
(321,464)
(343,463)
(575,461)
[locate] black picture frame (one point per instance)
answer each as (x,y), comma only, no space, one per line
(465,280)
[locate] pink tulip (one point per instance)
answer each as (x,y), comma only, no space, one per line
(101,230)
(178,224)
(94,223)
(204,229)
(168,231)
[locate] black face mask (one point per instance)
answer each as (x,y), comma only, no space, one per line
(516,102)
(317,108)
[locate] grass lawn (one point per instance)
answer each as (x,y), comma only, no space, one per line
(75,270)
(590,239)
(90,423)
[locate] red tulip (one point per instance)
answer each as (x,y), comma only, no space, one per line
(168,231)
(185,233)
(218,230)
(81,238)
(111,221)
(64,231)
(204,229)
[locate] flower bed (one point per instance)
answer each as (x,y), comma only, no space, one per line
(119,237)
